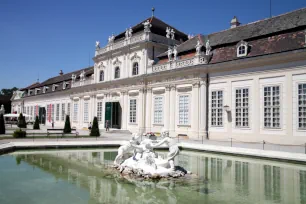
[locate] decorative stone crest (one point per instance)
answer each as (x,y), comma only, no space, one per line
(100,65)
(135,57)
(116,62)
(147,25)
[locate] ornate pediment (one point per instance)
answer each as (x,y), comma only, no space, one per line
(100,65)
(116,62)
(135,57)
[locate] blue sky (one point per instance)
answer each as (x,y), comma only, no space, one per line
(40,37)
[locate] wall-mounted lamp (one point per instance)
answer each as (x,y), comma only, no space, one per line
(227,108)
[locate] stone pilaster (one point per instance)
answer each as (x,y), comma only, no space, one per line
(203,110)
(149,110)
(167,109)
(195,110)
(172,110)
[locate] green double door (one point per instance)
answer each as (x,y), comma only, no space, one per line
(113,114)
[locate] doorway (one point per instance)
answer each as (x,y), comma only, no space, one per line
(113,114)
(42,115)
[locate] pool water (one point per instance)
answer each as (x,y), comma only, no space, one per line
(84,176)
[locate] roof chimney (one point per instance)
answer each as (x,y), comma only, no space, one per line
(234,22)
(61,73)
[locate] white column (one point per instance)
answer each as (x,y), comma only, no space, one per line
(149,110)
(124,110)
(195,110)
(140,106)
(172,111)
(167,109)
(203,110)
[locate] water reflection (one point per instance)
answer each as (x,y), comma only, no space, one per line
(217,178)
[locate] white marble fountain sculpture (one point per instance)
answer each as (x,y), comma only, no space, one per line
(145,162)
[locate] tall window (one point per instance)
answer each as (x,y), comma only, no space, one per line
(86,111)
(217,108)
(241,50)
(133,110)
(75,111)
(57,111)
(101,75)
(68,109)
(135,69)
(31,114)
(272,107)
(302,106)
(28,111)
(117,73)
(63,111)
(99,111)
(242,107)
(183,109)
(158,110)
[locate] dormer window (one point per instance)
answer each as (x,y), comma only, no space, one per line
(54,87)
(29,93)
(45,89)
(242,49)
(37,91)
(65,84)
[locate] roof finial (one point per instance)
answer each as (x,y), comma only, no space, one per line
(153,9)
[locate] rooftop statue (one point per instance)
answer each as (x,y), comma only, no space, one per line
(73,77)
(97,44)
(139,158)
(172,34)
(170,53)
(198,48)
(175,52)
(130,32)
(111,38)
(147,25)
(82,76)
(208,47)
(2,110)
(168,32)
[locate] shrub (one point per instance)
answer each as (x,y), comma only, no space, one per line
(2,125)
(36,124)
(21,121)
(95,128)
(19,134)
(67,128)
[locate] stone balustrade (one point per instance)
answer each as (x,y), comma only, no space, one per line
(82,83)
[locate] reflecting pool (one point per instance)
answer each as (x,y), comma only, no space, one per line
(84,176)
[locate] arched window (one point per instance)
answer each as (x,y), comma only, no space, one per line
(135,69)
(117,73)
(242,49)
(101,75)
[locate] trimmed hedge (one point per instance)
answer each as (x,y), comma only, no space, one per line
(36,124)
(21,121)
(95,128)
(19,134)
(67,128)
(2,125)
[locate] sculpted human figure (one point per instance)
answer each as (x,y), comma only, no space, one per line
(175,52)
(130,32)
(173,149)
(147,25)
(124,149)
(169,53)
(126,34)
(208,48)
(198,48)
(172,34)
(73,77)
(168,31)
(97,44)
(82,76)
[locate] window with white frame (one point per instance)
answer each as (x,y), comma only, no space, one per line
(242,107)
(133,110)
(75,111)
(57,111)
(217,108)
(183,109)
(86,104)
(242,49)
(158,110)
(99,110)
(68,109)
(135,69)
(101,75)
(63,111)
(302,106)
(117,73)
(272,107)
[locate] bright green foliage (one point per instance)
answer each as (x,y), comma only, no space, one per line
(95,128)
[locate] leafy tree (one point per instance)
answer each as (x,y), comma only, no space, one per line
(2,125)
(8,92)
(36,124)
(67,128)
(95,128)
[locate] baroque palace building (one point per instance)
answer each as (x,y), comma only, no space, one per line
(247,82)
